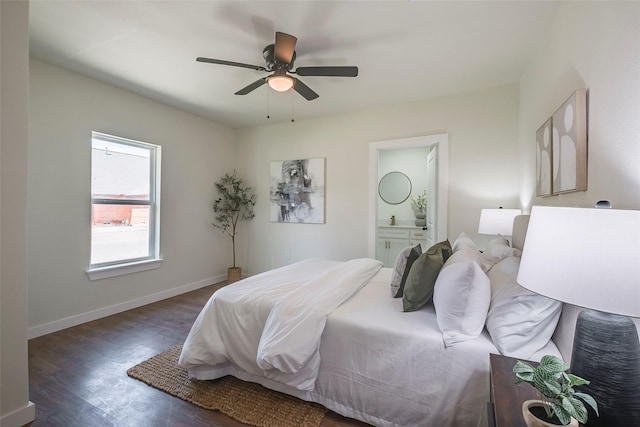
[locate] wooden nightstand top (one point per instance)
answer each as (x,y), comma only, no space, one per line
(506,396)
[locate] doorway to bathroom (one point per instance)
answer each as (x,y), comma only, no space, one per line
(424,163)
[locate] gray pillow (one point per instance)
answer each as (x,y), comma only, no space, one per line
(421,280)
(405,259)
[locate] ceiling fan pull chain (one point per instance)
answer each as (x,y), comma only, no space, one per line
(291,97)
(268,115)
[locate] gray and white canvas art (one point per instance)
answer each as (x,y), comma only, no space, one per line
(297,191)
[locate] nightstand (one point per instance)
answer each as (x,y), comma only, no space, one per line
(505,408)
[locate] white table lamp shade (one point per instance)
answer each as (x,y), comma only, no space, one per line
(584,257)
(497,221)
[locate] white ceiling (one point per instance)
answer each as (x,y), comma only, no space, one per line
(405,50)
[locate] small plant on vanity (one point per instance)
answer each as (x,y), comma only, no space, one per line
(419,203)
(560,399)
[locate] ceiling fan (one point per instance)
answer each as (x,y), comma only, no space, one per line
(279,59)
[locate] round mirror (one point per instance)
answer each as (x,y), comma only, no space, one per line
(394,188)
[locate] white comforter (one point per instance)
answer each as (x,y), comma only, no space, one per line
(271,324)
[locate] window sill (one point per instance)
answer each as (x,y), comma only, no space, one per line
(121,269)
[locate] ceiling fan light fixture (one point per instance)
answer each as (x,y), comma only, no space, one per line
(279,58)
(280,83)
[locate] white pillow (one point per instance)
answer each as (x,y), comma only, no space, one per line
(519,321)
(500,249)
(463,242)
(467,254)
(465,249)
(461,298)
(503,273)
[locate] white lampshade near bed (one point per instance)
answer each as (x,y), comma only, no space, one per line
(497,221)
(591,258)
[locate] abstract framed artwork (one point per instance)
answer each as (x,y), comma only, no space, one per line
(544,157)
(569,142)
(297,191)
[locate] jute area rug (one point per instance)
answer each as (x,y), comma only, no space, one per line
(246,402)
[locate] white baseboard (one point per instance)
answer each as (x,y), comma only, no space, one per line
(19,417)
(79,319)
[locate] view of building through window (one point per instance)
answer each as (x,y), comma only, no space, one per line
(122,200)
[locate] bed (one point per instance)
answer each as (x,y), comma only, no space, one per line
(356,351)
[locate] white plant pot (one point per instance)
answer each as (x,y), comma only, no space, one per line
(533,421)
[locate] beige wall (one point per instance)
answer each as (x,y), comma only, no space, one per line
(15,408)
(483,152)
(592,45)
(64,108)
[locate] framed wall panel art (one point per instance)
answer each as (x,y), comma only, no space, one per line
(297,191)
(569,142)
(544,155)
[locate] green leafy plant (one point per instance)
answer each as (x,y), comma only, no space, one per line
(557,388)
(235,203)
(419,203)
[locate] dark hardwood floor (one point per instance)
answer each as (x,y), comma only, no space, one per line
(77,376)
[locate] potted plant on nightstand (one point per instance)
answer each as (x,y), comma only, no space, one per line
(235,204)
(561,404)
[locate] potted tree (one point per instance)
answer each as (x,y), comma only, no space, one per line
(561,404)
(235,204)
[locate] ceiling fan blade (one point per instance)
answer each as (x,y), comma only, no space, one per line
(304,90)
(253,86)
(327,71)
(284,47)
(233,64)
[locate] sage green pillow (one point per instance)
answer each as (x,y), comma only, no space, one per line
(418,289)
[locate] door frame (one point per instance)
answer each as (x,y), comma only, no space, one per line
(432,193)
(442,141)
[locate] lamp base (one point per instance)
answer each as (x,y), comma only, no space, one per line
(606,351)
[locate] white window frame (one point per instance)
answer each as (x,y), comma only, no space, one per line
(126,266)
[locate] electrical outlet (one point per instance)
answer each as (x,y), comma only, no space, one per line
(287,255)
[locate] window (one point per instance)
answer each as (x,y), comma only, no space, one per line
(125,206)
